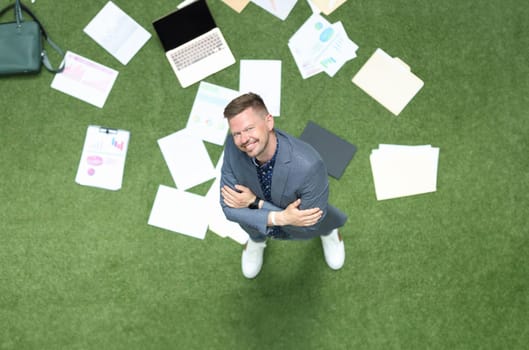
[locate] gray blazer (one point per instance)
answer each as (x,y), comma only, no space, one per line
(299,172)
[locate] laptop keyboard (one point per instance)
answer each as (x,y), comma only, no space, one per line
(198,49)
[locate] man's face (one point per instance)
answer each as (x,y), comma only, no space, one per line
(251,132)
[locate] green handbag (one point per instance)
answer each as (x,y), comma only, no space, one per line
(21,50)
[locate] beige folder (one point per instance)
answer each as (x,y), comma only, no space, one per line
(237,5)
(388,80)
(328,6)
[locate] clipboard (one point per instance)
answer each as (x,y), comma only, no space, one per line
(103,157)
(388,80)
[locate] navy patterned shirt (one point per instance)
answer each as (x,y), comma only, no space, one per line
(264,174)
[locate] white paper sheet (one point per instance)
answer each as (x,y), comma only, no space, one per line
(262,77)
(206,119)
(179,211)
(279,8)
(85,79)
(400,170)
(388,80)
(117,32)
(103,158)
(187,158)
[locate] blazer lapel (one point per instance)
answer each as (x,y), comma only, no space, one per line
(281,169)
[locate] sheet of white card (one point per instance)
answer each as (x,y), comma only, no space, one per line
(388,80)
(85,79)
(206,119)
(179,211)
(187,158)
(400,171)
(264,78)
(117,32)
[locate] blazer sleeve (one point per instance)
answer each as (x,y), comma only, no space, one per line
(256,219)
(314,193)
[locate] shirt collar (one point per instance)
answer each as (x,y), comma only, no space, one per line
(271,162)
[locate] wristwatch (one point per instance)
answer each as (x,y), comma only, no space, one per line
(255,203)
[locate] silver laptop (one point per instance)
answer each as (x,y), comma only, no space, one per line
(193,44)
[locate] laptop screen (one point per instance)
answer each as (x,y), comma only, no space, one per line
(184,25)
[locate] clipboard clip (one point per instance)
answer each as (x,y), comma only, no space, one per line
(105,130)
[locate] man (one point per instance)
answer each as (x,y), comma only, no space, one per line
(275,186)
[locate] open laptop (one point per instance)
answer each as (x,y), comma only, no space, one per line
(193,44)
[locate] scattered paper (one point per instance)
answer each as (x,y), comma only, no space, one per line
(319,46)
(388,80)
(400,170)
(85,79)
(179,211)
(262,77)
(117,32)
(279,8)
(187,159)
(206,120)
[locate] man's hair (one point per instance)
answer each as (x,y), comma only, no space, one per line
(243,102)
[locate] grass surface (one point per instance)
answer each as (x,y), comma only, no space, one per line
(81,269)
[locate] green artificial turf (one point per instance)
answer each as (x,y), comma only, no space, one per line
(80,268)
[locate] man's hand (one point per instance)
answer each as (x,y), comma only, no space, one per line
(294,216)
(240,197)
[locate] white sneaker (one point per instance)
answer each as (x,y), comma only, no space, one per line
(333,249)
(252,258)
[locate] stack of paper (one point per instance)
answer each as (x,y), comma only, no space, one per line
(388,80)
(319,46)
(189,163)
(400,171)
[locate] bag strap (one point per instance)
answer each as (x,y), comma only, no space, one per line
(18,16)
(18,13)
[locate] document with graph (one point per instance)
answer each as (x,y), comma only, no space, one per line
(103,158)
(85,79)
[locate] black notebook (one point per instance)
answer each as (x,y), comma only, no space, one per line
(335,151)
